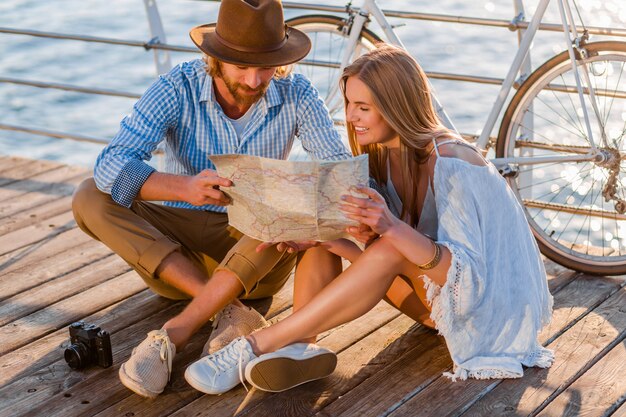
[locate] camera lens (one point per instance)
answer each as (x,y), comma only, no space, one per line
(77,356)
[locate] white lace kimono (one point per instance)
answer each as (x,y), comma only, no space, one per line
(496,298)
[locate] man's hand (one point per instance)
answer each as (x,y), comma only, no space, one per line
(204,188)
(289,246)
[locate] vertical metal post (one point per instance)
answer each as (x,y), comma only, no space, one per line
(161,58)
(525,178)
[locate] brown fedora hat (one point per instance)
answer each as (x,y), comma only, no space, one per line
(251,33)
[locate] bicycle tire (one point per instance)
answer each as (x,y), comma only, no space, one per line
(570,202)
(328,38)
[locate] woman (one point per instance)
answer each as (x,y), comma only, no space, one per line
(452,247)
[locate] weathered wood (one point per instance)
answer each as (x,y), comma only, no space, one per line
(23,171)
(355,364)
(338,340)
(12,162)
(57,386)
(29,272)
(578,348)
(117,393)
(598,391)
(57,182)
(446,398)
(23,331)
(383,369)
(34,215)
(41,233)
(27,302)
(395,383)
(42,352)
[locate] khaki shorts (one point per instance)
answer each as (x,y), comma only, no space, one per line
(147,233)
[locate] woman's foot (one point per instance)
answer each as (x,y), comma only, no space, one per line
(290,366)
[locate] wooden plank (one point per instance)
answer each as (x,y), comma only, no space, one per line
(10,162)
(38,355)
(446,398)
(38,190)
(28,272)
(43,232)
(57,385)
(58,403)
(27,302)
(403,379)
(33,215)
(620,412)
(387,389)
(598,392)
(27,170)
(356,363)
(52,182)
(578,348)
(29,328)
(171,401)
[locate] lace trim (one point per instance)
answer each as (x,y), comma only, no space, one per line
(444,308)
(463,374)
(540,357)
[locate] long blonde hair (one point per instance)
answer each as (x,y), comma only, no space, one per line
(401,94)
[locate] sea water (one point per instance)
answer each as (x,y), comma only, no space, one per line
(443,47)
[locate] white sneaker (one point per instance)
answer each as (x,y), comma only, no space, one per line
(290,366)
(230,323)
(222,370)
(149,367)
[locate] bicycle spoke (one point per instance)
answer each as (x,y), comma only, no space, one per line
(574,107)
(557,125)
(552,179)
(572,118)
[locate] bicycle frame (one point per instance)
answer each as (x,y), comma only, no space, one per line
(371,8)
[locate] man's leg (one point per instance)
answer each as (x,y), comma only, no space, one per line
(169,248)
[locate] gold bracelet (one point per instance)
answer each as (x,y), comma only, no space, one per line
(434,261)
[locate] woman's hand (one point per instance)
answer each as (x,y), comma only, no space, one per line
(371,211)
(289,246)
(362,233)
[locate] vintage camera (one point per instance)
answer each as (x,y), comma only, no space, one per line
(88,345)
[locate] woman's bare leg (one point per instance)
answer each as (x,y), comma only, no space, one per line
(316,268)
(410,299)
(356,291)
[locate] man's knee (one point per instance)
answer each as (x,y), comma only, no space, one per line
(89,205)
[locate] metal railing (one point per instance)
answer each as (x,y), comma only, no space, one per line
(157,44)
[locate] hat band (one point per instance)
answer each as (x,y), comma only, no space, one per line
(241,48)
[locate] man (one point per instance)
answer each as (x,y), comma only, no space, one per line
(240,100)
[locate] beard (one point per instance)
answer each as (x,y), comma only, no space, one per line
(244,94)
(241,93)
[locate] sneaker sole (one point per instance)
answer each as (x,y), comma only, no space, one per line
(280,374)
(134,386)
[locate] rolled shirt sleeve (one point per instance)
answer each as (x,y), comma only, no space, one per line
(120,169)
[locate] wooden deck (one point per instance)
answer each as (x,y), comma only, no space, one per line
(52,274)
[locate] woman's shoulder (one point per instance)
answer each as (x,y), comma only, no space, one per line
(459,149)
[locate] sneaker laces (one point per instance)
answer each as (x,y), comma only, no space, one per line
(224,359)
(165,349)
(218,316)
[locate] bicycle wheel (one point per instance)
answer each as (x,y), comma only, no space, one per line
(575,209)
(329,36)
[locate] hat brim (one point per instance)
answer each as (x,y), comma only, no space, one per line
(297,47)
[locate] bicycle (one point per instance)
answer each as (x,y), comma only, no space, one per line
(570,186)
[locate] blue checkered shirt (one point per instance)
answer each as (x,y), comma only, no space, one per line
(180,108)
